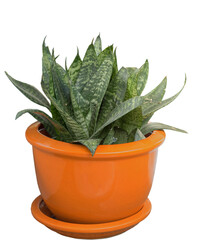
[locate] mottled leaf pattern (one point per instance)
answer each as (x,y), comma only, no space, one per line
(121,110)
(160,104)
(142,76)
(92,102)
(114,95)
(106,52)
(131,90)
(88,68)
(61,87)
(47,79)
(115,66)
(155,95)
(76,99)
(150,127)
(55,129)
(134,118)
(75,68)
(95,89)
(56,115)
(30,92)
(121,136)
(91,144)
(72,125)
(110,139)
(98,45)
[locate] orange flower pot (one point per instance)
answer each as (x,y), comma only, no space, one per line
(79,188)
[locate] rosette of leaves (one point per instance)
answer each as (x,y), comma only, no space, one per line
(92,102)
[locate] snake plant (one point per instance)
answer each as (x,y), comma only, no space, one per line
(92,102)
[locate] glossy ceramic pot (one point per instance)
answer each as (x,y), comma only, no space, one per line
(79,188)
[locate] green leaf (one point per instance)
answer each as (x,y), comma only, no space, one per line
(54,82)
(88,68)
(98,45)
(110,139)
(131,136)
(72,125)
(150,127)
(77,99)
(61,86)
(155,95)
(96,87)
(160,104)
(47,79)
(139,135)
(56,115)
(91,144)
(131,90)
(79,105)
(114,95)
(75,68)
(142,76)
(105,53)
(121,136)
(30,92)
(120,111)
(55,129)
(115,67)
(133,119)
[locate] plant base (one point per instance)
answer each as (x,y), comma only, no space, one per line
(86,231)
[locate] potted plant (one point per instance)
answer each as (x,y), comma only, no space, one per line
(95,155)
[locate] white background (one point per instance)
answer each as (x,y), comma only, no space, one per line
(167,33)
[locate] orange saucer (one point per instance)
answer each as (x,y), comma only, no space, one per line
(86,231)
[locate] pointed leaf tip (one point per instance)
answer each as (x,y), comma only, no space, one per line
(77,51)
(30,92)
(98,45)
(150,127)
(91,144)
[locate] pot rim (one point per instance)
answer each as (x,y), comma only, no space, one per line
(38,140)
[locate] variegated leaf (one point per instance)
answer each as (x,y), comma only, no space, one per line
(115,67)
(105,53)
(88,68)
(110,139)
(133,119)
(79,106)
(75,68)
(121,136)
(30,92)
(131,136)
(131,90)
(54,129)
(72,125)
(150,127)
(56,115)
(54,74)
(139,135)
(142,76)
(98,45)
(155,95)
(47,79)
(61,86)
(96,87)
(120,111)
(160,104)
(84,104)
(114,95)
(91,144)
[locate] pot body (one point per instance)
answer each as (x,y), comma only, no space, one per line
(79,188)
